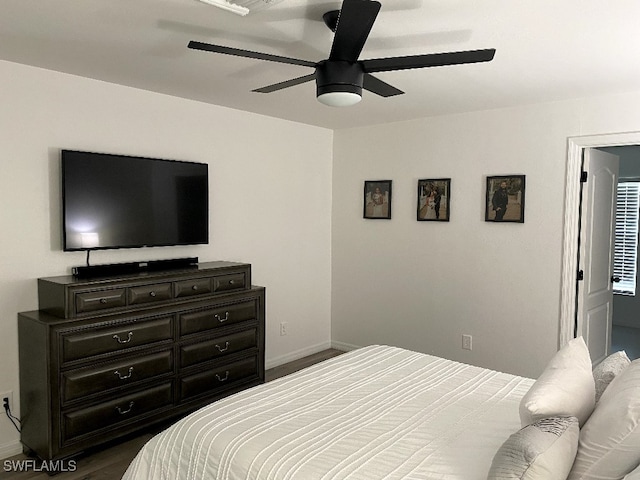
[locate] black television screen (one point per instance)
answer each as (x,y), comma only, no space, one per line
(117,201)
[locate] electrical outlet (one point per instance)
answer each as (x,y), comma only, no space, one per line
(7,396)
(467,342)
(284,326)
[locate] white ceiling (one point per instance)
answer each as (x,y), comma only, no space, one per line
(546,50)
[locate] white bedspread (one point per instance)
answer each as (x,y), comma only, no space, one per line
(377,412)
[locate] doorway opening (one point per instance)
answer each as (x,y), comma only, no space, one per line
(625,333)
(570,267)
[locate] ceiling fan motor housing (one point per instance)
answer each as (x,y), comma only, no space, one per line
(338,76)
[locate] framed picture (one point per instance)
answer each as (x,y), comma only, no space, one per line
(434,199)
(377,199)
(505,199)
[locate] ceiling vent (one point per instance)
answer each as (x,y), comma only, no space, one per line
(241,7)
(255,5)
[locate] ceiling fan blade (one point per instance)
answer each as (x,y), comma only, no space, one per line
(208,47)
(354,24)
(289,83)
(379,87)
(429,60)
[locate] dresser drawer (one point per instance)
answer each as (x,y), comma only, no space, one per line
(227,283)
(218,378)
(149,293)
(190,288)
(218,347)
(100,300)
(107,414)
(87,381)
(116,338)
(208,319)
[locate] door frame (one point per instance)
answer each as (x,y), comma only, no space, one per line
(571,234)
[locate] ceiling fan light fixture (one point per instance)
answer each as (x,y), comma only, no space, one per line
(339,99)
(338,83)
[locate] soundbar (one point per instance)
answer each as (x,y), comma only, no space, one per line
(113,269)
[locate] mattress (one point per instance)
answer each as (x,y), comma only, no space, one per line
(378,412)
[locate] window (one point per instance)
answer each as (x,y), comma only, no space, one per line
(626,241)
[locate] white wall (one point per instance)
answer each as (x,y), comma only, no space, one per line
(421,285)
(270,193)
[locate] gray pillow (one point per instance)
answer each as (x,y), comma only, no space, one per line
(607,370)
(544,450)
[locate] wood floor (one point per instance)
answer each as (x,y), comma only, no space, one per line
(111,462)
(627,339)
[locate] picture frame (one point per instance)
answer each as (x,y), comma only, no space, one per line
(434,200)
(377,199)
(504,201)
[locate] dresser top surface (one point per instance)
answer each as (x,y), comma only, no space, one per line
(205,267)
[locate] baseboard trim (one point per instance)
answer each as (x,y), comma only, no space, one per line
(345,347)
(10,449)
(297,355)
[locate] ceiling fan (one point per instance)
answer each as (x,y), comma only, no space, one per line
(341,78)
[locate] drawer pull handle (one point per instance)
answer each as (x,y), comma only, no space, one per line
(226,376)
(152,294)
(220,319)
(129,337)
(124,412)
(223,349)
(194,288)
(103,301)
(232,282)
(124,377)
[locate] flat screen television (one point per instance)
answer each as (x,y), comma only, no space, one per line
(118,201)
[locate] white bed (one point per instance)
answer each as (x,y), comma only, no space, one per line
(377,412)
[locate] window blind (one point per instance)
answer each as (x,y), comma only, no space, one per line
(626,237)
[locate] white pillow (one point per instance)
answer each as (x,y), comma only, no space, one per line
(635,475)
(608,369)
(543,450)
(565,387)
(610,441)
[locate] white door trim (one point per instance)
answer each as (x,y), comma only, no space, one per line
(576,145)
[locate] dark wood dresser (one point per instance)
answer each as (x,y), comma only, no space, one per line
(105,357)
